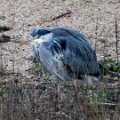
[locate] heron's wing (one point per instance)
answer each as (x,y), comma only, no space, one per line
(49,60)
(69,33)
(78,56)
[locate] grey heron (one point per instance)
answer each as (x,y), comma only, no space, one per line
(66,54)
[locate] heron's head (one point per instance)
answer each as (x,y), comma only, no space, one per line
(36,35)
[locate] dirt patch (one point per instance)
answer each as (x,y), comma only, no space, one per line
(32,99)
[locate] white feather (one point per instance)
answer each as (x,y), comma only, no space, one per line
(42,39)
(91,79)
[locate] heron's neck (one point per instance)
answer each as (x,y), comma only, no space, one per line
(47,37)
(43,38)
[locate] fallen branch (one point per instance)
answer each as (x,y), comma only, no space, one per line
(68,12)
(62,15)
(110,72)
(109,104)
(113,73)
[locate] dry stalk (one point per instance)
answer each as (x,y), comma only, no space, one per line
(116,37)
(96,33)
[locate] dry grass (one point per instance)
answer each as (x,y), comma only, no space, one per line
(25,91)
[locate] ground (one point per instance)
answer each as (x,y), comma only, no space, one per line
(99,20)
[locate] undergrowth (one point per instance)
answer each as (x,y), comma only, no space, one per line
(40,99)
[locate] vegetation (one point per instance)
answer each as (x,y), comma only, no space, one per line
(27,92)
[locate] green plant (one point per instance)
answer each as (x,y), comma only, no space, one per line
(17,41)
(98,96)
(2,91)
(36,70)
(64,84)
(111,64)
(102,40)
(28,90)
(44,80)
(2,17)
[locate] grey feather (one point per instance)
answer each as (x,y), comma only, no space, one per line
(67,54)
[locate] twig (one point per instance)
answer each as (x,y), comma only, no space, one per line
(57,17)
(62,15)
(113,73)
(116,36)
(65,115)
(110,104)
(96,33)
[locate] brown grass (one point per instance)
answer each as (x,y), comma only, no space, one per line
(23,96)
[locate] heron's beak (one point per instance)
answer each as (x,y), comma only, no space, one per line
(25,43)
(36,38)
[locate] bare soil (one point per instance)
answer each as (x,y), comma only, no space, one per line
(42,101)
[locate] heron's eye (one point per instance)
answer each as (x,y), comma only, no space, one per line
(37,36)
